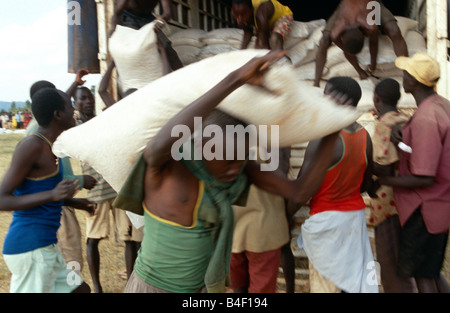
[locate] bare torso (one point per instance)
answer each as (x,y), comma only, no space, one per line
(141,7)
(352,13)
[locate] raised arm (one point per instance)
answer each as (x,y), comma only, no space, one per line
(115,19)
(107,98)
(77,82)
(166,6)
(158,150)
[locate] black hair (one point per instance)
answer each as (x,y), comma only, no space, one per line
(247,2)
(347,86)
(353,40)
(44,103)
(388,90)
(39,85)
(80,88)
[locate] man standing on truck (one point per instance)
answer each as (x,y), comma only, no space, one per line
(347,28)
(269,19)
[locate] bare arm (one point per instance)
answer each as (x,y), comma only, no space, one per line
(321,57)
(107,98)
(120,7)
(263,16)
(317,161)
(368,183)
(158,150)
(81,204)
(24,159)
(167,10)
(373,48)
(248,34)
(411,181)
(78,82)
(353,60)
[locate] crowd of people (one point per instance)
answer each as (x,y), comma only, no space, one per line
(19,120)
(217,224)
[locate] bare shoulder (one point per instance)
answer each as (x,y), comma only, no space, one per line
(30,145)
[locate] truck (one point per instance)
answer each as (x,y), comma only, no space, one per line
(433,22)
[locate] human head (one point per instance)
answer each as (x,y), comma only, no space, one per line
(223,168)
(49,104)
(419,70)
(352,40)
(84,101)
(242,11)
(386,95)
(345,85)
(39,85)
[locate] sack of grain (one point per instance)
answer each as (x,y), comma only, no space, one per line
(302,112)
(136,56)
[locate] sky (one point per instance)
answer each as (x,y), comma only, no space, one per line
(33,46)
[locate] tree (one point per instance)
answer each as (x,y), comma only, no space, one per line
(27,106)
(13,108)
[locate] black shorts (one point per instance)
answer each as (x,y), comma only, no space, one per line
(421,254)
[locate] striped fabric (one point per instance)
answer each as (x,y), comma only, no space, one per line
(102,190)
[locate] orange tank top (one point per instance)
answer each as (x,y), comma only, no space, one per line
(340,190)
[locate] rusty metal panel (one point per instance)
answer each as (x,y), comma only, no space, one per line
(82,36)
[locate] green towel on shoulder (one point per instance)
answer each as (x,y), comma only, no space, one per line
(131,194)
(216,211)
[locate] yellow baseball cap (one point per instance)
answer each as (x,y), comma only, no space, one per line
(422,67)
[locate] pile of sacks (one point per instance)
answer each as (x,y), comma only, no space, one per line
(193,45)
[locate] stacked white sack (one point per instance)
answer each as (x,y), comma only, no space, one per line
(187,43)
(122,132)
(136,56)
(194,44)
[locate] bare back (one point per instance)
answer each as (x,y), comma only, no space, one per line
(352,13)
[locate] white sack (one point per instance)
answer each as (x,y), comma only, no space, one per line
(222,35)
(136,56)
(305,51)
(111,142)
(187,54)
(406,24)
(209,51)
(301,31)
(188,37)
